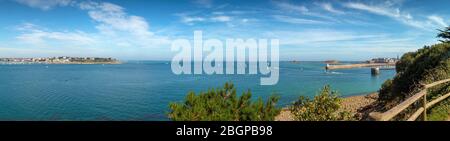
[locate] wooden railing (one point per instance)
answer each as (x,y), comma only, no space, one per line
(388,115)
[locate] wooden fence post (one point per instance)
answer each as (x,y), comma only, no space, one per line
(425,105)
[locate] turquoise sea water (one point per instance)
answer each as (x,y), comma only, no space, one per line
(142,90)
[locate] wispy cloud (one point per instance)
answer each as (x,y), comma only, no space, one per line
(293,20)
(204,3)
(37,35)
(314,36)
(45,4)
(295,10)
(438,20)
(112,17)
(290,7)
(115,27)
(27,52)
(194,18)
(114,22)
(221,18)
(191,20)
(387,9)
(329,7)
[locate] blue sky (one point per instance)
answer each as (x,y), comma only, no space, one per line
(143,29)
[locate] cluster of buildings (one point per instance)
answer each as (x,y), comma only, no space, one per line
(58,60)
(383,60)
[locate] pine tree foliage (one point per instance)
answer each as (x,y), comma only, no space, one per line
(445,35)
(223,104)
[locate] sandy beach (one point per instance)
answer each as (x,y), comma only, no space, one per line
(352,104)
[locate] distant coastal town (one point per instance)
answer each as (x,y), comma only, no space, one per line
(60,60)
(374,60)
(383,60)
(375,63)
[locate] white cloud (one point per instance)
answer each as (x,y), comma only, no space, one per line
(293,20)
(112,18)
(395,13)
(189,20)
(218,13)
(36,35)
(317,43)
(221,18)
(115,27)
(388,10)
(13,52)
(291,7)
(120,27)
(328,7)
(393,2)
(204,3)
(45,4)
(315,36)
(438,20)
(286,9)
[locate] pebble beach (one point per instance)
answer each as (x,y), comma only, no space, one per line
(353,104)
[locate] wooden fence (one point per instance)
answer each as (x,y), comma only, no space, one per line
(422,95)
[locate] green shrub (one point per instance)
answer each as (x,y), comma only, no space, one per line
(440,112)
(223,104)
(324,107)
(386,89)
(427,65)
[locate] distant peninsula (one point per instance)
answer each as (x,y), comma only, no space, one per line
(60,60)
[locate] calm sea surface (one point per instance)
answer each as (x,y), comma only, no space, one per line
(142,90)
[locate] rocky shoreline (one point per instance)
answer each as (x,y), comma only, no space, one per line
(353,104)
